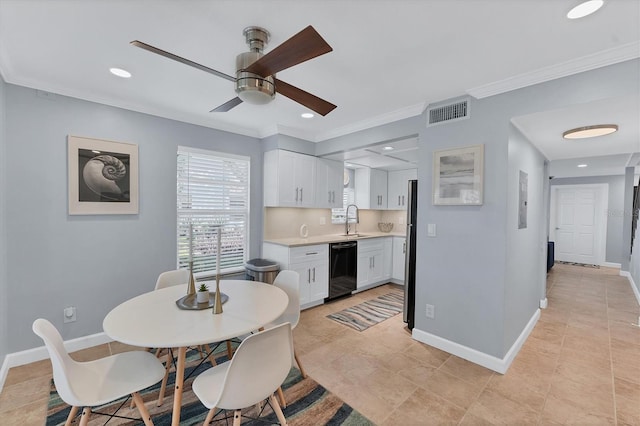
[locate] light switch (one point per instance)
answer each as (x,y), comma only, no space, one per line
(431,230)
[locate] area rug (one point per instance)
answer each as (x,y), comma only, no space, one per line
(587,265)
(362,316)
(308,403)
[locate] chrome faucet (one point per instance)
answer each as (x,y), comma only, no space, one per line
(346,218)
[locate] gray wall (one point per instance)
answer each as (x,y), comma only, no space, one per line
(93,262)
(463,271)
(4,314)
(615,209)
(526,247)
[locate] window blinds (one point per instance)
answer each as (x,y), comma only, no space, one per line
(212,196)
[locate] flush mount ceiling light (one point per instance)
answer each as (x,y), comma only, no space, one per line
(590,131)
(120,72)
(306,115)
(584,9)
(388,148)
(582,165)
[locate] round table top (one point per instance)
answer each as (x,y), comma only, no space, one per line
(154,320)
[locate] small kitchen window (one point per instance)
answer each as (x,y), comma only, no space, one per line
(348,197)
(212,189)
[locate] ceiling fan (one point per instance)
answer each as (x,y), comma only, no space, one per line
(255,79)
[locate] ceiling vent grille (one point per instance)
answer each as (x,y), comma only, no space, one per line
(448,113)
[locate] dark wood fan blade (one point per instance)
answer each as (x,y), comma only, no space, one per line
(180,59)
(305,45)
(312,102)
(228,105)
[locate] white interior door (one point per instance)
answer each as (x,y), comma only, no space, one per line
(579,223)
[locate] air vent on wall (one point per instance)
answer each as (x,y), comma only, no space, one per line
(446,113)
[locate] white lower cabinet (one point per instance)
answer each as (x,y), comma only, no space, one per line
(373,266)
(399,250)
(310,262)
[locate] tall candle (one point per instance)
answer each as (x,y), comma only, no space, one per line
(218,255)
(190,242)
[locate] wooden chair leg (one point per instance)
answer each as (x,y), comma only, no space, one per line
(283,402)
(278,410)
(163,386)
(210,357)
(302,372)
(237,418)
(144,413)
(210,415)
(84,418)
(229,349)
(71,416)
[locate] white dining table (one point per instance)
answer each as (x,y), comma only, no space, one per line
(153,320)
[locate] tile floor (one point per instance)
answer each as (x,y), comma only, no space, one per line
(581,365)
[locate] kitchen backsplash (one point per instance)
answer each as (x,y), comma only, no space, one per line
(285,222)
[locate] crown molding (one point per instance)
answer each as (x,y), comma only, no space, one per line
(399,114)
(611,56)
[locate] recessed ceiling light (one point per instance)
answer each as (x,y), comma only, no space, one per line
(590,131)
(582,165)
(387,148)
(306,115)
(584,9)
(120,72)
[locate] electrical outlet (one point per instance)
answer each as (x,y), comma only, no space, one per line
(401,220)
(430,311)
(69,314)
(323,221)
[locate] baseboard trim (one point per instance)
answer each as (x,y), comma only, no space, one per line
(489,361)
(36,354)
(632,283)
(611,265)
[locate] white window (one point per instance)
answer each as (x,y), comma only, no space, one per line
(213,194)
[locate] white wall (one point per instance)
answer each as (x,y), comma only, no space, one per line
(92,262)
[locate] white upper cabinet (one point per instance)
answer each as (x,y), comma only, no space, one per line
(329,183)
(371,188)
(398,188)
(289,179)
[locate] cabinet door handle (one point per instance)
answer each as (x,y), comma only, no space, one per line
(374,261)
(403,200)
(399,200)
(309,253)
(314,274)
(296,194)
(404,247)
(308,276)
(329,199)
(300,194)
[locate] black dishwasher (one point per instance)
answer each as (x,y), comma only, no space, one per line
(343,268)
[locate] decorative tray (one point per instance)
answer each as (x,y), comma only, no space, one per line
(189,302)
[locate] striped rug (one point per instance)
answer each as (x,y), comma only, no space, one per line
(362,316)
(308,403)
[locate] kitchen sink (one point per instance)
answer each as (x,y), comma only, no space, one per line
(354,235)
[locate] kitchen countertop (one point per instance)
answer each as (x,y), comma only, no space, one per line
(333,238)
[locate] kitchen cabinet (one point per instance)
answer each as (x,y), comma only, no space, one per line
(371,267)
(310,262)
(397,188)
(329,183)
(399,251)
(289,179)
(371,188)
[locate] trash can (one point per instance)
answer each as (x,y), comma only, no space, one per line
(263,270)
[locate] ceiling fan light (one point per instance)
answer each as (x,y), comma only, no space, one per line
(306,115)
(120,72)
(584,9)
(590,131)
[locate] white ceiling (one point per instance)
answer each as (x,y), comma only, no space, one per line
(391,58)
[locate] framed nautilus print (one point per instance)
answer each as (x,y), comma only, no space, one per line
(103,176)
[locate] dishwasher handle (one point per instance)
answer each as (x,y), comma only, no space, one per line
(340,246)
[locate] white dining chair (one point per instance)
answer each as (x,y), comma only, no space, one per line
(171,278)
(259,366)
(93,383)
(289,281)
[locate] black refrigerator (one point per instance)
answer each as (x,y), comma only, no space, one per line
(410,255)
